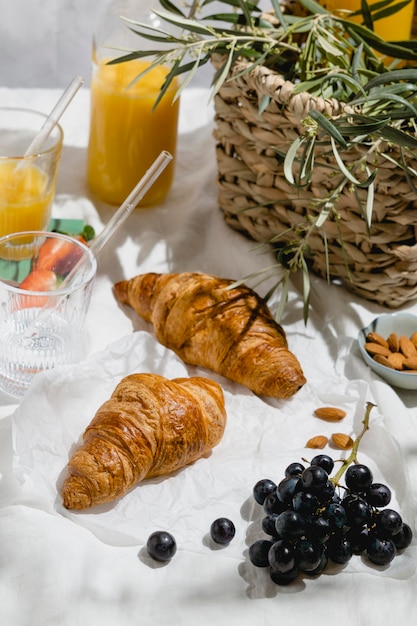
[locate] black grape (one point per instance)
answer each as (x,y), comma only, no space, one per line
(339,548)
(287,488)
(281,556)
(403,538)
(285,578)
(378,495)
(358,478)
(290,524)
(388,522)
(262,489)
(308,555)
(258,552)
(273,504)
(314,478)
(381,551)
(358,511)
(294,469)
(336,515)
(325,461)
(161,546)
(222,530)
(305,503)
(269,524)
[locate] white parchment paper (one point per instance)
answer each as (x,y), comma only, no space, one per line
(262,437)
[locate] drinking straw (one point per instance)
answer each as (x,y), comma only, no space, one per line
(131,201)
(54,116)
(123,211)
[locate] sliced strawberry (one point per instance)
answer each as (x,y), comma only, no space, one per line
(59,256)
(40,280)
(37,280)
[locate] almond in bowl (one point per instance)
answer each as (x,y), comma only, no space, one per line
(389,346)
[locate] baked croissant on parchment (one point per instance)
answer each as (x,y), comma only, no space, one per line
(206,323)
(150,426)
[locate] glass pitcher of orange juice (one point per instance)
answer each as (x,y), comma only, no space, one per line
(396,27)
(127,132)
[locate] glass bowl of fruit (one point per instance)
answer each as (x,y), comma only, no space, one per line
(389,346)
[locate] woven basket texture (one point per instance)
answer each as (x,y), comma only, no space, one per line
(257,200)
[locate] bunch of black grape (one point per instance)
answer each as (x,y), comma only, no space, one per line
(309,521)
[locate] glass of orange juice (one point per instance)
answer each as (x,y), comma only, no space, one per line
(27,181)
(127,131)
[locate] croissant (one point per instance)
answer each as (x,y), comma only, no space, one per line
(207,323)
(150,426)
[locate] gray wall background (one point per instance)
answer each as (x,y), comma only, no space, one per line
(44,43)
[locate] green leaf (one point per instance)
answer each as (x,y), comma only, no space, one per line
(360,130)
(356,62)
(184,23)
(313,7)
(246,12)
(328,127)
(367,16)
(279,14)
(191,71)
(306,290)
(377,43)
(346,173)
(283,299)
(169,78)
(406,74)
(222,74)
(324,214)
(307,161)
(263,104)
(169,6)
(387,12)
(290,158)
(327,46)
(370,202)
(398,137)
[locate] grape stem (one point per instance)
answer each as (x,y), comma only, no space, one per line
(352,458)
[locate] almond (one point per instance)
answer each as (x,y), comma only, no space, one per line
(382,360)
(376,348)
(396,360)
(407,347)
(410,363)
(394,342)
(319,441)
(342,441)
(413,339)
(377,338)
(330,414)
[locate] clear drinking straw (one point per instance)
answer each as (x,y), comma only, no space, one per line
(123,211)
(131,201)
(54,116)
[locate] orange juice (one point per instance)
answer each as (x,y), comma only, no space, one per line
(25,197)
(126,135)
(397,27)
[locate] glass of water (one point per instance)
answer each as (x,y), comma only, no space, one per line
(46,281)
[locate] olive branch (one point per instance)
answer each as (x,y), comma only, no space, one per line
(326,55)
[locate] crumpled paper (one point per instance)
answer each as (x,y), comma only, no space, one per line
(262,437)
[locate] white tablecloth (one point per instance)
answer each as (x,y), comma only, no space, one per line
(60,569)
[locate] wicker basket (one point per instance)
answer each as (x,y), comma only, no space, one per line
(258,201)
